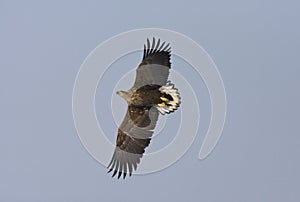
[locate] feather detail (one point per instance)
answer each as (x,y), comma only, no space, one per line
(169,105)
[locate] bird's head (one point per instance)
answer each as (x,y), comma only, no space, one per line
(124,94)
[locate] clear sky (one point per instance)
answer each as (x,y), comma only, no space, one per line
(255,45)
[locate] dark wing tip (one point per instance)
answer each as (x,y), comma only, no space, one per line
(115,172)
(119,175)
(152,48)
(118,166)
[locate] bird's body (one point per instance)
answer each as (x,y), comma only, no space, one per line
(141,97)
(148,95)
(152,94)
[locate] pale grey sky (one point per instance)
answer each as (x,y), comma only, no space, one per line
(255,45)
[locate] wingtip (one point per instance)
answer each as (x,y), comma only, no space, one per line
(115,172)
(153,44)
(119,175)
(109,170)
(154,47)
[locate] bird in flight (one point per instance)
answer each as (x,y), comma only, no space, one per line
(152,94)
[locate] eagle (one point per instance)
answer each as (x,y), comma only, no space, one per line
(151,94)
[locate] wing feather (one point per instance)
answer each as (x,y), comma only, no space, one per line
(135,132)
(155,66)
(153,44)
(134,135)
(158,42)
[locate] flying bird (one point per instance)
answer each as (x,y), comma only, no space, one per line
(152,94)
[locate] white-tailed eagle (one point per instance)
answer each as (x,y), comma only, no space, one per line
(150,95)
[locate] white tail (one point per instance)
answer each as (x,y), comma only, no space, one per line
(169,105)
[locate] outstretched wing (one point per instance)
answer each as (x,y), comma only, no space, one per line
(155,66)
(134,135)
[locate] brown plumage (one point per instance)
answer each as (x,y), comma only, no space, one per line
(150,95)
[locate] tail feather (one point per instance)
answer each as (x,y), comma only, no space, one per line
(170,99)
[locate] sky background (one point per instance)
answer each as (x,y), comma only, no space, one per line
(255,45)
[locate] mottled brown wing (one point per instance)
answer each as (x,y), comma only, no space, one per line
(155,66)
(134,135)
